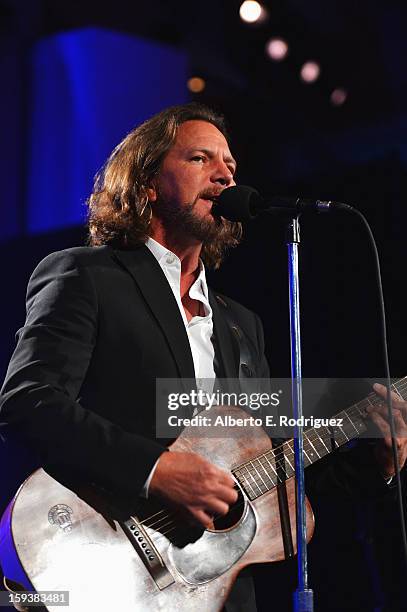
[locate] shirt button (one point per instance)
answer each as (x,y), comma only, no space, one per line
(170,259)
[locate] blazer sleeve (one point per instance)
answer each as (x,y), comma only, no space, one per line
(38,400)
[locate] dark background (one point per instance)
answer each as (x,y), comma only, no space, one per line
(289,139)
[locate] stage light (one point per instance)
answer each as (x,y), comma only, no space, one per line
(310,72)
(196,84)
(252,12)
(338,96)
(277,49)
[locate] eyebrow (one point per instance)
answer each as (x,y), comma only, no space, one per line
(228,159)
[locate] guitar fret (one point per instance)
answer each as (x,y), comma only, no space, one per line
(343,433)
(245,482)
(359,423)
(253,477)
(345,438)
(262,481)
(332,438)
(262,461)
(309,442)
(320,448)
(279,456)
(362,406)
(306,455)
(272,466)
(338,436)
(307,460)
(351,422)
(290,451)
(356,424)
(360,411)
(289,462)
(322,440)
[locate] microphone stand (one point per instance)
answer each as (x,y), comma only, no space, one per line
(303,596)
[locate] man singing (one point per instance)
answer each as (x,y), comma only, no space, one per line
(105,321)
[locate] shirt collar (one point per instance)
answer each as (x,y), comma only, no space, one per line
(199,286)
(157,249)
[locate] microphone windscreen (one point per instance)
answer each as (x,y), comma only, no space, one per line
(236,203)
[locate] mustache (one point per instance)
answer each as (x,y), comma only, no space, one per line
(209,194)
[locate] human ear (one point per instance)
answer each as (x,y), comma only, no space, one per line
(151,192)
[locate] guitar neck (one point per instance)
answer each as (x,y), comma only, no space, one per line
(264,472)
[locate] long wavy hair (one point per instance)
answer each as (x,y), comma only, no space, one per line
(117,211)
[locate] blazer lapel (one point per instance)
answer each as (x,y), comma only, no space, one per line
(146,271)
(227,343)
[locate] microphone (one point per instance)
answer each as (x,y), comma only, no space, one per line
(243,203)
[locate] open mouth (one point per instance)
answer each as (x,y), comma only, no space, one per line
(210,197)
(212,200)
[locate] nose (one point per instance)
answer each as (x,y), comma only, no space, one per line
(222,175)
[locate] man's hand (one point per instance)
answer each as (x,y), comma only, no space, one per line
(195,485)
(379,415)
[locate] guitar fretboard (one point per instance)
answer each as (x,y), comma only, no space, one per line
(264,472)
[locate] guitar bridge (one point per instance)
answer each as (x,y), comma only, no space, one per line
(147,552)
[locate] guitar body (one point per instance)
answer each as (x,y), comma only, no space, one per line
(52,540)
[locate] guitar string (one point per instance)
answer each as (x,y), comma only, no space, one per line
(311,436)
(165,516)
(174,524)
(316,438)
(158,534)
(373,399)
(153,515)
(359,409)
(280,462)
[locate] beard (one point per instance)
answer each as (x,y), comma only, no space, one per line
(216,234)
(183,220)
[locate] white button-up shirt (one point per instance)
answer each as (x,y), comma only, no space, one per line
(199,329)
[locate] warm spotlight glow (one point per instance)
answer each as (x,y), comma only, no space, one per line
(310,72)
(338,96)
(251,11)
(277,49)
(196,84)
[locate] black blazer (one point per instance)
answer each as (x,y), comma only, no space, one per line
(101,326)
